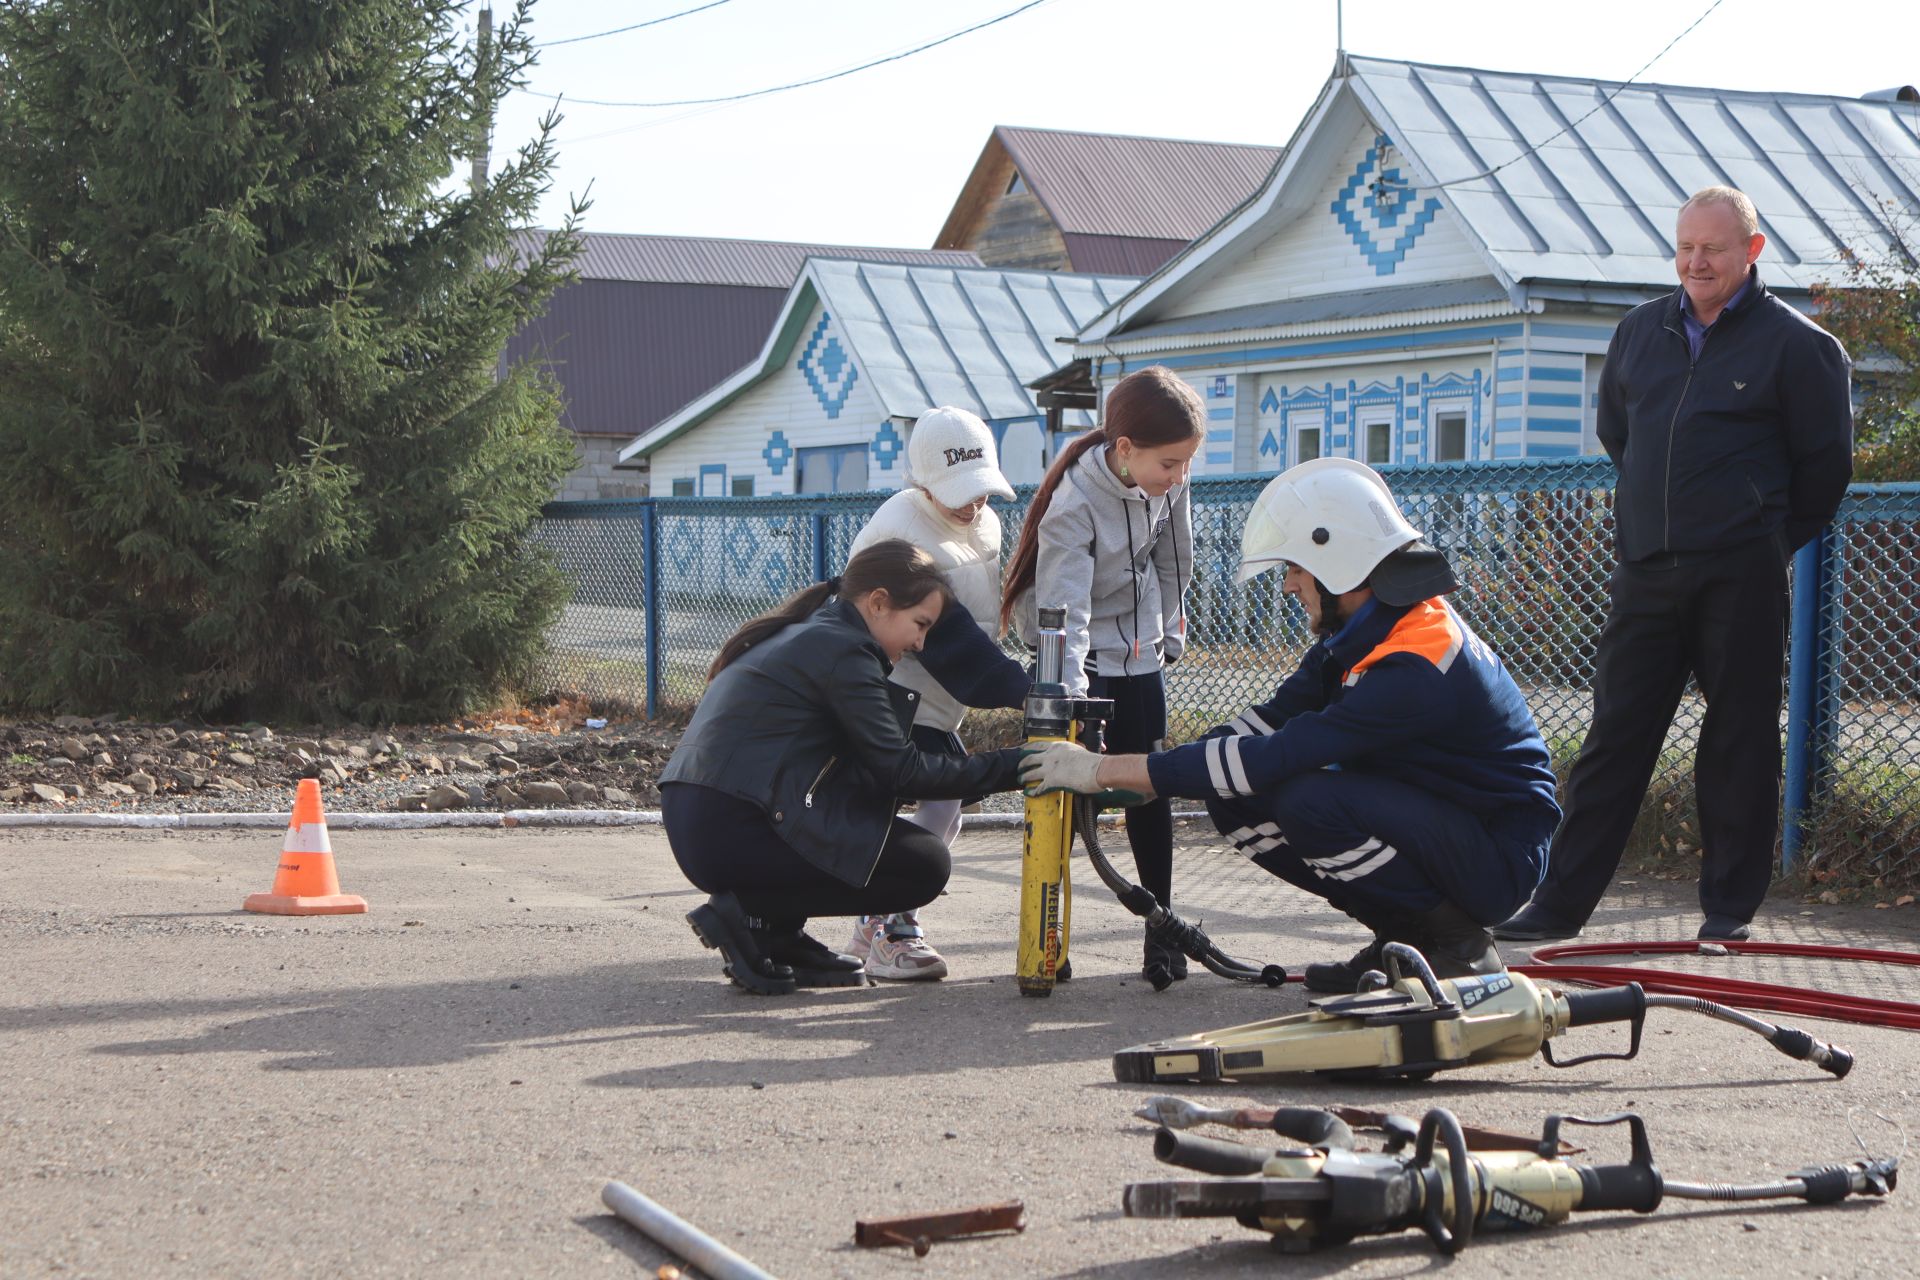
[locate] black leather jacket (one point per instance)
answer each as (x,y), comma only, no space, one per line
(1754,439)
(807,726)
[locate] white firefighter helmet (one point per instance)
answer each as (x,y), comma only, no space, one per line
(1337,520)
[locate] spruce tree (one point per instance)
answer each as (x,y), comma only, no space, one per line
(256,456)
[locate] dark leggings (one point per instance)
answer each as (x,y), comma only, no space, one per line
(1139,725)
(726,845)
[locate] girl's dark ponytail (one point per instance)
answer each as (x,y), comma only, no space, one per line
(905,572)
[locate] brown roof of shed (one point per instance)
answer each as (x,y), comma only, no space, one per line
(1106,184)
(761,264)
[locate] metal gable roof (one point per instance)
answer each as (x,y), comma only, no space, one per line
(763,264)
(1587,189)
(1597,202)
(1152,188)
(924,336)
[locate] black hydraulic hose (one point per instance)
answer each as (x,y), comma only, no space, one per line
(1791,1041)
(1162,924)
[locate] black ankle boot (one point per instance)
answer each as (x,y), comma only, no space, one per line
(1455,944)
(1342,977)
(742,941)
(813,962)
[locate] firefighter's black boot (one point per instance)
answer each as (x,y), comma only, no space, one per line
(1341,977)
(1454,943)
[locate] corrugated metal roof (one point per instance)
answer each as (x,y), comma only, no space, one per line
(628,354)
(924,336)
(927,336)
(1152,188)
(1119,255)
(1597,203)
(765,264)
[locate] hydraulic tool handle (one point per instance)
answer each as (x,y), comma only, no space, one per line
(1207,1155)
(1609,1004)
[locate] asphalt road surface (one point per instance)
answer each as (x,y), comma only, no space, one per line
(442,1086)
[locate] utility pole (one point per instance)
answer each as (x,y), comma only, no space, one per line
(483,123)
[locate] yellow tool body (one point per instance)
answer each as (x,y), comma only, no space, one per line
(1410,1024)
(1046,893)
(1399,1030)
(1046,849)
(1318,1191)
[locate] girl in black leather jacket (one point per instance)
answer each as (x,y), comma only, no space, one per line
(779,801)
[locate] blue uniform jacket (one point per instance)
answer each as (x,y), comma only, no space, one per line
(1408,693)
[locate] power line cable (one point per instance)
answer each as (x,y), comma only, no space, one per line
(799,84)
(1533,147)
(549,44)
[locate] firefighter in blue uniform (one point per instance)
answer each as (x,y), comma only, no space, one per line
(1397,773)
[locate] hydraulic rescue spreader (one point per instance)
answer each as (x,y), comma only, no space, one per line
(1317,1191)
(1409,1024)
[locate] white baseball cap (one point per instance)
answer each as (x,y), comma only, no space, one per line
(950,454)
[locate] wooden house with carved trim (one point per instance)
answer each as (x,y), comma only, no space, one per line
(1433,270)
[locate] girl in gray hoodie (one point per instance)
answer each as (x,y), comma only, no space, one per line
(1109,538)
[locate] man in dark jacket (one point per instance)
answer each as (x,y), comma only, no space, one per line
(1397,772)
(1728,415)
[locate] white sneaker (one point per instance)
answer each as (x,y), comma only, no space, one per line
(865,929)
(898,951)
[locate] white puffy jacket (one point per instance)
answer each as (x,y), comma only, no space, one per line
(969,555)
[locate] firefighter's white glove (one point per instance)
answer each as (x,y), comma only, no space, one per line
(1059,766)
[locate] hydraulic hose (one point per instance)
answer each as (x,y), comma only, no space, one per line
(1162,924)
(1735,992)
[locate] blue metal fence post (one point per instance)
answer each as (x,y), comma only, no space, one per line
(650,600)
(1809,641)
(820,573)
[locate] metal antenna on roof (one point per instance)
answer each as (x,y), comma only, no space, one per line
(1339,38)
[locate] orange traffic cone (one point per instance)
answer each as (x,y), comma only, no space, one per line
(306,883)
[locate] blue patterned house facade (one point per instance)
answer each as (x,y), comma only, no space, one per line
(859,352)
(1434,269)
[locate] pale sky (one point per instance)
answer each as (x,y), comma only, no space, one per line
(877,158)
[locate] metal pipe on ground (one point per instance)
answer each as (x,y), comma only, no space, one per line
(678,1236)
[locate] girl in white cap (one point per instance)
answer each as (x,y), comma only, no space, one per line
(952,471)
(1109,538)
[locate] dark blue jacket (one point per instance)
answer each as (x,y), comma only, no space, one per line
(1752,440)
(1408,693)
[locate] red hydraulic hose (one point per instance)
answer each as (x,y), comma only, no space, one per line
(1736,992)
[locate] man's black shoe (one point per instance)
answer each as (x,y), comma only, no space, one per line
(813,962)
(1724,929)
(1534,923)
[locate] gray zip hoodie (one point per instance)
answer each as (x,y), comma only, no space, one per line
(1119,563)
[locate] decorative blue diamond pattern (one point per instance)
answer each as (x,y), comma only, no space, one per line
(1269,402)
(828,368)
(1269,447)
(887,445)
(778,452)
(1370,219)
(681,547)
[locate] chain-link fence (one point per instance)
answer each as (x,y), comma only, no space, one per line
(662,583)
